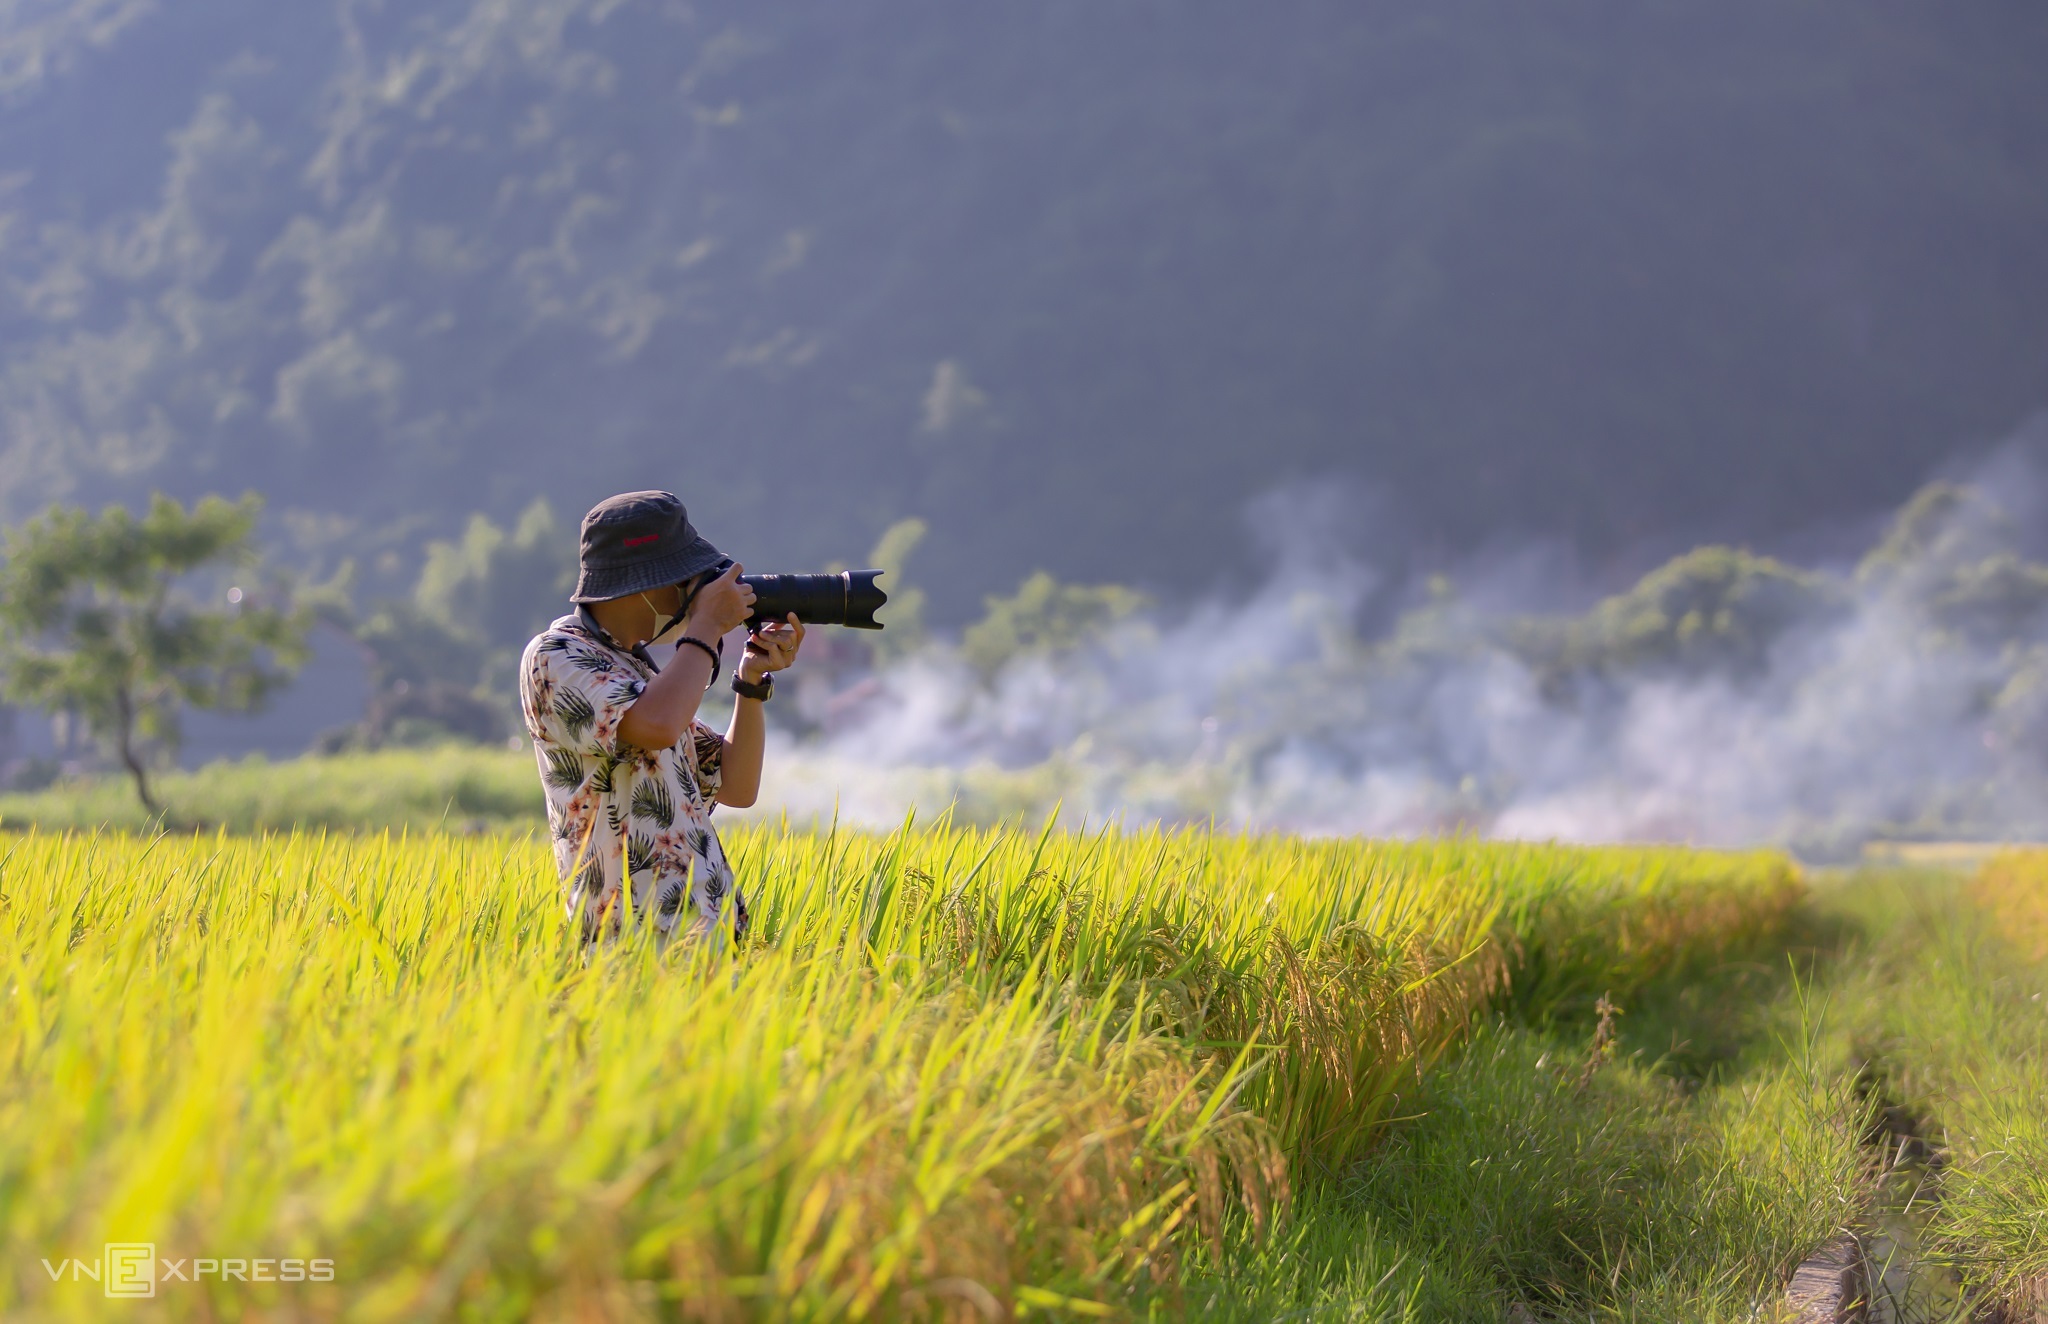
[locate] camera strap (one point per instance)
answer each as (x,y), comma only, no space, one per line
(639,651)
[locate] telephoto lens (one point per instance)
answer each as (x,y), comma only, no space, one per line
(849,598)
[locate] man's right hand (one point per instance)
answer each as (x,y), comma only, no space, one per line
(720,607)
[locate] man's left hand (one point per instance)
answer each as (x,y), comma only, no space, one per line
(771,648)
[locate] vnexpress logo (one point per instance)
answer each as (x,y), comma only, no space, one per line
(130,1270)
(126,1270)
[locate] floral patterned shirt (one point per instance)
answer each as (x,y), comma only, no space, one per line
(616,812)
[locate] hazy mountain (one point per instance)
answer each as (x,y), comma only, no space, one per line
(1073,281)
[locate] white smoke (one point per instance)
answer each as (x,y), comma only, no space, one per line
(1267,711)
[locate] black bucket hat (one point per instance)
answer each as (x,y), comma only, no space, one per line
(639,541)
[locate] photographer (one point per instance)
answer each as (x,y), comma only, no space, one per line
(631,775)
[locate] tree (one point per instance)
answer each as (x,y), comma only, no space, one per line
(1714,610)
(443,664)
(1955,554)
(496,587)
(1044,616)
(906,632)
(111,619)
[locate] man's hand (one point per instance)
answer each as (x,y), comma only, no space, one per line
(720,607)
(771,648)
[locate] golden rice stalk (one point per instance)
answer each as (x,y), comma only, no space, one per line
(2012,886)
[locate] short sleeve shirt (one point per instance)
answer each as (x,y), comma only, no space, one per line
(616,812)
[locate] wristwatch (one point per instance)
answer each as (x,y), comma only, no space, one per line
(748,690)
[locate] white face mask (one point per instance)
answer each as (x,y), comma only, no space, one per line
(663,634)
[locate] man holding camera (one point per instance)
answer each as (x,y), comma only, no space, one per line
(631,775)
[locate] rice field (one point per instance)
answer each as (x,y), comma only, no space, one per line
(1991,1056)
(1936,996)
(955,1074)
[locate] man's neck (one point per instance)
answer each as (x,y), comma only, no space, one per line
(623,619)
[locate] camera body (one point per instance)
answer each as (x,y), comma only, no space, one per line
(849,598)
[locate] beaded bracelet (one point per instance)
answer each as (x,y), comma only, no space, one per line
(709,652)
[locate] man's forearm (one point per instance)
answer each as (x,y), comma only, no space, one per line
(739,780)
(665,709)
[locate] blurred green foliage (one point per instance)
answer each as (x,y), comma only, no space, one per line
(452,786)
(1043,616)
(1715,610)
(1693,268)
(903,621)
(442,663)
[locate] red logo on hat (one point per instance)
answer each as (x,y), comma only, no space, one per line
(645,538)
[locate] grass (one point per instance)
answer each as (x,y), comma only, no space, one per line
(467,787)
(1986,1043)
(961,1071)
(1937,1009)
(390,1054)
(1736,1126)
(1354,965)
(1562,1172)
